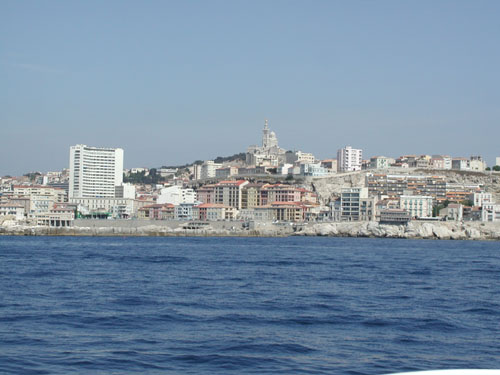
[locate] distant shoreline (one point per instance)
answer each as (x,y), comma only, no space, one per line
(413,230)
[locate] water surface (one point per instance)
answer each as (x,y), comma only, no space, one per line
(81,305)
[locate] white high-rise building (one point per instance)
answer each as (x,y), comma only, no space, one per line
(94,172)
(349,159)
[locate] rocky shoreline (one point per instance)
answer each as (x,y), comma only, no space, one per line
(413,230)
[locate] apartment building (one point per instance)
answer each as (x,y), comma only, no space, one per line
(94,172)
(381,162)
(229,193)
(355,205)
(416,205)
(349,159)
(397,185)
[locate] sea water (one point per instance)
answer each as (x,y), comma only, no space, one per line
(96,305)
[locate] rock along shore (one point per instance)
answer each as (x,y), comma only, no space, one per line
(413,230)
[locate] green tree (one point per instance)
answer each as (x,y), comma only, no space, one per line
(468,203)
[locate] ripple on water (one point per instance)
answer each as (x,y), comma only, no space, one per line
(238,305)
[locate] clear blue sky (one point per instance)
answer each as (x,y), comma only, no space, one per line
(172,82)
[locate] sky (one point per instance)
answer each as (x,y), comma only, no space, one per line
(171,82)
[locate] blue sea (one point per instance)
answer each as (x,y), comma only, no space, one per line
(112,305)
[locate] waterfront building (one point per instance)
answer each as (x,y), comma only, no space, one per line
(416,205)
(108,207)
(453,212)
(490,212)
(94,172)
(55,218)
(12,209)
(288,211)
(184,211)
(394,216)
(355,205)
(157,212)
(213,212)
(349,159)
(41,204)
(229,193)
(23,201)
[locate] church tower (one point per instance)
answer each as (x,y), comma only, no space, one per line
(265,135)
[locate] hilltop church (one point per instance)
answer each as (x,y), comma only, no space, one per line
(269,154)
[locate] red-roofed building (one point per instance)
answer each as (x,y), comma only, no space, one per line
(213,212)
(229,193)
(157,212)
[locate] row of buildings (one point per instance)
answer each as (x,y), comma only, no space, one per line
(93,187)
(270,158)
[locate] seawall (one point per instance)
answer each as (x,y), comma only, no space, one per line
(413,230)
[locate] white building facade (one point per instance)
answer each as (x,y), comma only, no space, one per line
(94,172)
(416,205)
(176,195)
(208,169)
(479,199)
(349,159)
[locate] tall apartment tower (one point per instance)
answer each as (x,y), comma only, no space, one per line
(349,159)
(94,171)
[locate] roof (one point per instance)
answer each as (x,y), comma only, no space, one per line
(296,204)
(237,182)
(158,205)
(212,205)
(36,187)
